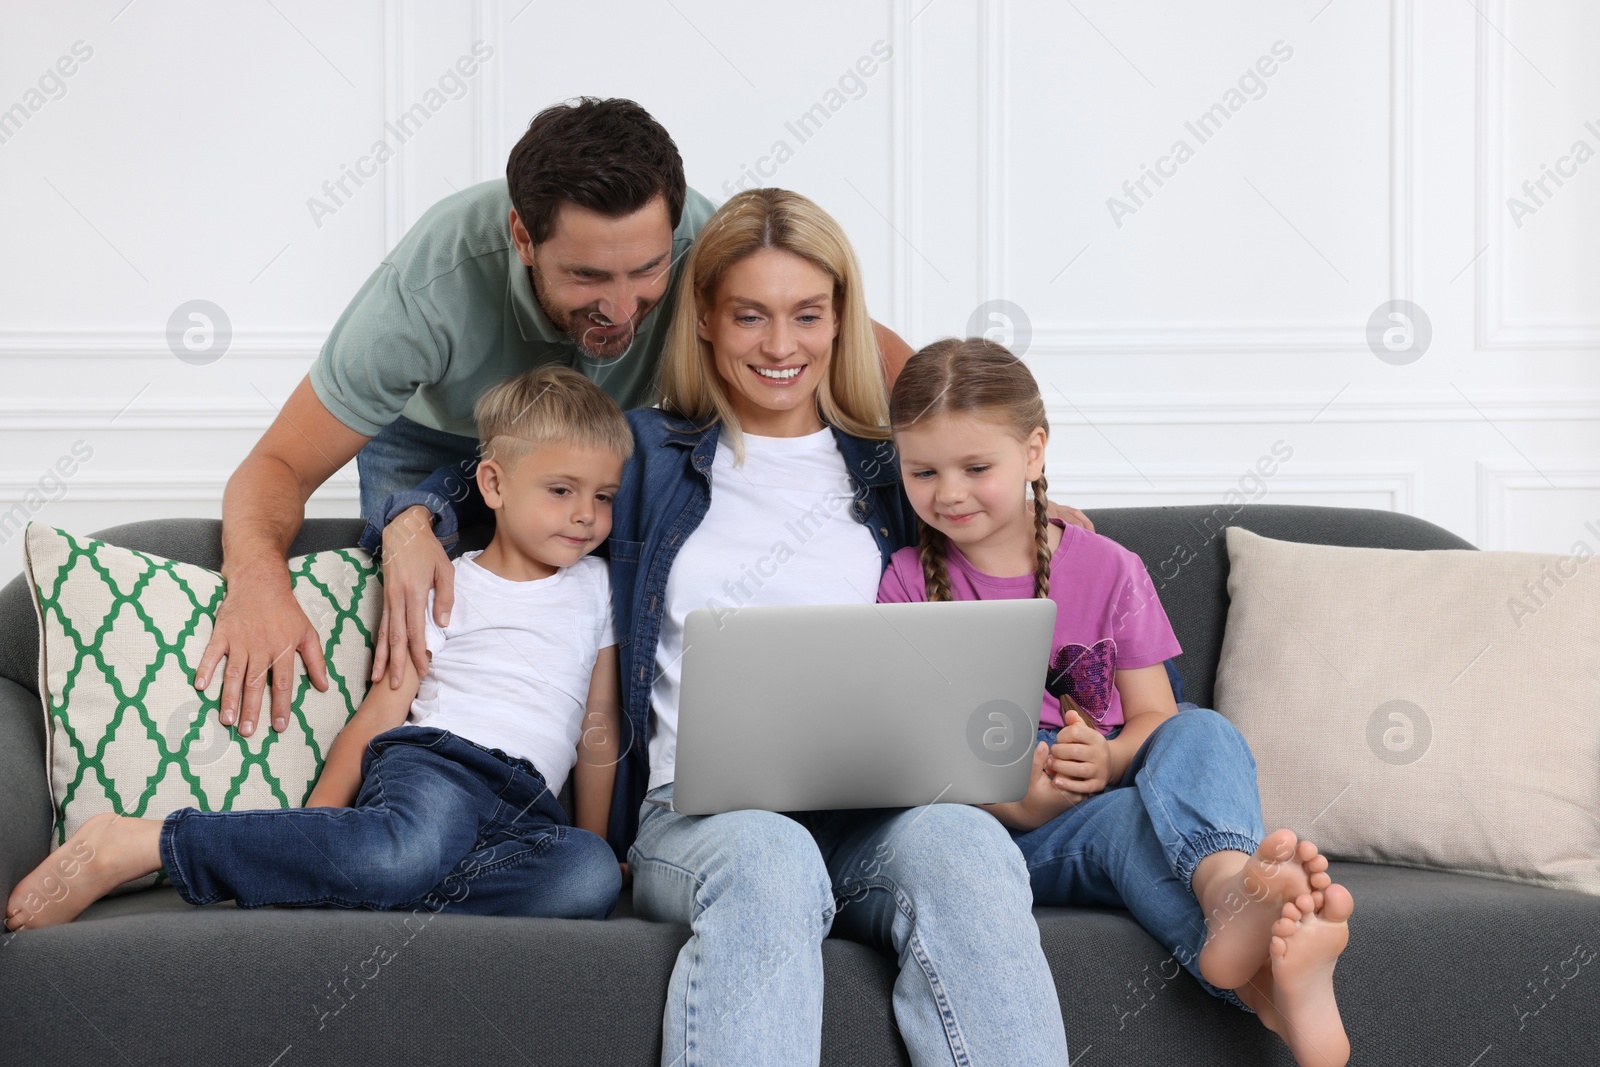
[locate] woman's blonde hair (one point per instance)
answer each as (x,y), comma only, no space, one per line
(851,396)
(982,378)
(551,405)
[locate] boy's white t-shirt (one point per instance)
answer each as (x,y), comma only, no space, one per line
(511,670)
(778,530)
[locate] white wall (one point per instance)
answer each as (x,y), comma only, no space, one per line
(1177,343)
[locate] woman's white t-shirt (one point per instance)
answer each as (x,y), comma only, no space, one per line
(511,670)
(779,530)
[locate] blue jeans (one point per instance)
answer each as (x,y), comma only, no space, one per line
(401,456)
(1189,792)
(437,817)
(940,885)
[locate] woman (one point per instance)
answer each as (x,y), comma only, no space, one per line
(772,363)
(771,444)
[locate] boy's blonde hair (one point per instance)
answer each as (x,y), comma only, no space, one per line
(551,405)
(851,397)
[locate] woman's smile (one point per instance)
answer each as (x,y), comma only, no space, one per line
(771,330)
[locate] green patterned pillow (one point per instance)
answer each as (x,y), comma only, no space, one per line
(120,635)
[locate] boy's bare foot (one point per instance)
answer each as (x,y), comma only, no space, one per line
(104,852)
(1243,895)
(1306,943)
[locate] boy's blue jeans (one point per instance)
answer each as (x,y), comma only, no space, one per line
(1189,792)
(438,819)
(941,886)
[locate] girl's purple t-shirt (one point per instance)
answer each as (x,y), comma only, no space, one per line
(1108,616)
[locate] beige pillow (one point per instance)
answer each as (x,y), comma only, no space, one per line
(1426,709)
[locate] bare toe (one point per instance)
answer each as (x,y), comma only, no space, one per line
(1337,904)
(1303,961)
(1278,846)
(1241,907)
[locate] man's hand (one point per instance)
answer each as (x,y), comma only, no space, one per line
(413,563)
(1070,516)
(260,626)
(1080,760)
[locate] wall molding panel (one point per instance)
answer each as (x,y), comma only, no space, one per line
(1495,330)
(1163,482)
(1144,409)
(1062,338)
(1498,480)
(397,38)
(151,485)
(151,344)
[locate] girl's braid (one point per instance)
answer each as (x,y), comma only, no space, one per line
(1041,539)
(935,573)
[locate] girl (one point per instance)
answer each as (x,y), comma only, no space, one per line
(1131,803)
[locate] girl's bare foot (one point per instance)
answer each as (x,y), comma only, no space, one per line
(1306,943)
(104,852)
(1242,895)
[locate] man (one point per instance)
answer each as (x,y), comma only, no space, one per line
(566,261)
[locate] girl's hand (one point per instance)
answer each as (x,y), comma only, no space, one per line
(1080,760)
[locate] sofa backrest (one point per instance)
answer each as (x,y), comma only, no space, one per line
(1182,548)
(1186,554)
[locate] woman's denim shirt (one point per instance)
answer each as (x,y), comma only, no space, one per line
(666,489)
(665,492)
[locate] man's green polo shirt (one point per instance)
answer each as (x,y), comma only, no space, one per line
(451,312)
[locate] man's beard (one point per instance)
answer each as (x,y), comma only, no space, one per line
(587,328)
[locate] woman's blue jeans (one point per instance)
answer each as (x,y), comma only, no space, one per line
(941,885)
(1189,792)
(439,821)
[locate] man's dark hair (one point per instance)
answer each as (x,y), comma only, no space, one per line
(608,156)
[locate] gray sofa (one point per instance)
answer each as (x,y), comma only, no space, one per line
(1441,969)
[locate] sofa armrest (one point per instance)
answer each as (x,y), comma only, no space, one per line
(25,813)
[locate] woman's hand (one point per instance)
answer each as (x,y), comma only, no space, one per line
(1046,797)
(413,563)
(1080,760)
(1043,801)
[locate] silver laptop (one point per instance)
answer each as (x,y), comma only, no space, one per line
(860,705)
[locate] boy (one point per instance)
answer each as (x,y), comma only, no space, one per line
(454,778)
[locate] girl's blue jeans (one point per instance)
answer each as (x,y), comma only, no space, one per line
(1189,792)
(439,821)
(942,886)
